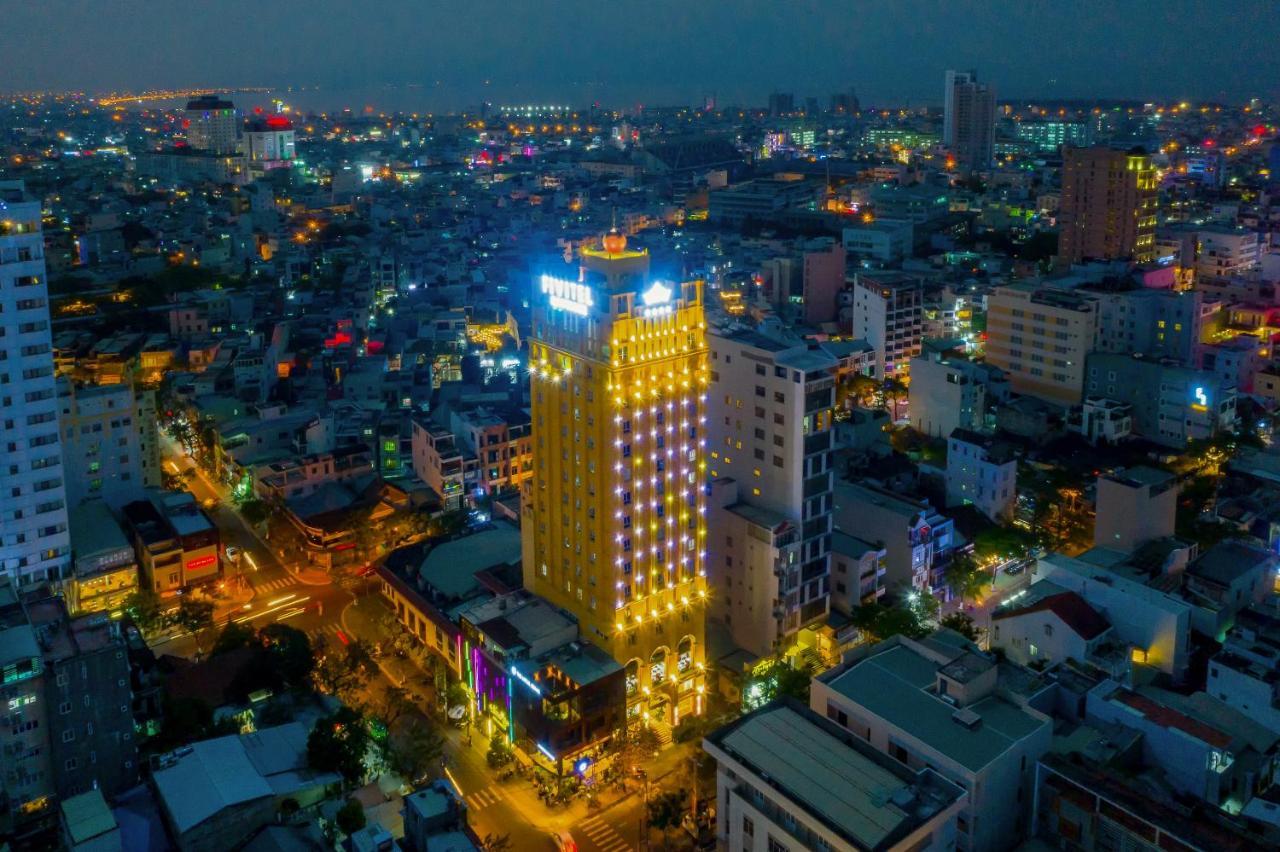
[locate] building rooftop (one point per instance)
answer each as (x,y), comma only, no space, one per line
(898,684)
(451,567)
(1140,475)
(1073,610)
(860,795)
(850,545)
(95,531)
(198,781)
(215,774)
(87,816)
(1228,561)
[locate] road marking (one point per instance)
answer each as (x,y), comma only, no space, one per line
(603,835)
(485,798)
(317,633)
(276,585)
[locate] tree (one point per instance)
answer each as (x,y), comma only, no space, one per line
(350,817)
(499,753)
(290,651)
(966,578)
(666,810)
(195,617)
(338,743)
(143,607)
(772,680)
(999,542)
(636,746)
(233,636)
(414,750)
(393,705)
(962,623)
(336,674)
(254,512)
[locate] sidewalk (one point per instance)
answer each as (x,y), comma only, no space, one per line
(370,618)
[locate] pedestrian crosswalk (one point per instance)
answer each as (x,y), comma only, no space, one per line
(324,631)
(275,585)
(488,797)
(602,835)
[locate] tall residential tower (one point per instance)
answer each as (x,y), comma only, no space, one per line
(1108,208)
(615,529)
(36,544)
(969,119)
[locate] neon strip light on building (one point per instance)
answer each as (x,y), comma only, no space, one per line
(511,716)
(545,751)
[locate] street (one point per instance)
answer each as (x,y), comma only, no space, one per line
(260,589)
(263,589)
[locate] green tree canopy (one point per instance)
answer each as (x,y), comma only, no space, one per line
(338,743)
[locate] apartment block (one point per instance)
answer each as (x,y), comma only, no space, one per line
(102,439)
(1171,404)
(945,395)
(888,312)
(1040,337)
(982,472)
(35,545)
(1108,206)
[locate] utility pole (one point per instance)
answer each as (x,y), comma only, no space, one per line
(644,817)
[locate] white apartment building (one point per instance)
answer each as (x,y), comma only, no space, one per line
(888,312)
(944,396)
(769,428)
(36,543)
(983,472)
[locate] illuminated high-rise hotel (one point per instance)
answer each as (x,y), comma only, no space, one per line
(615,527)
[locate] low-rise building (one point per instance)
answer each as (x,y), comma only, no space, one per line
(857,572)
(215,793)
(281,481)
(940,703)
(1155,623)
(566,698)
(439,461)
(426,588)
(1134,505)
(1245,674)
(981,472)
(786,778)
(1049,627)
(916,538)
(105,566)
(1101,420)
(435,820)
(175,542)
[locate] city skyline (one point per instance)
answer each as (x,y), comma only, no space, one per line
(676,54)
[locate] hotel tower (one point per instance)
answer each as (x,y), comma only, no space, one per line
(615,526)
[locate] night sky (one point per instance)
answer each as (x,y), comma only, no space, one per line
(658,51)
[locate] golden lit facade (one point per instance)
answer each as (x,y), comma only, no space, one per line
(616,520)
